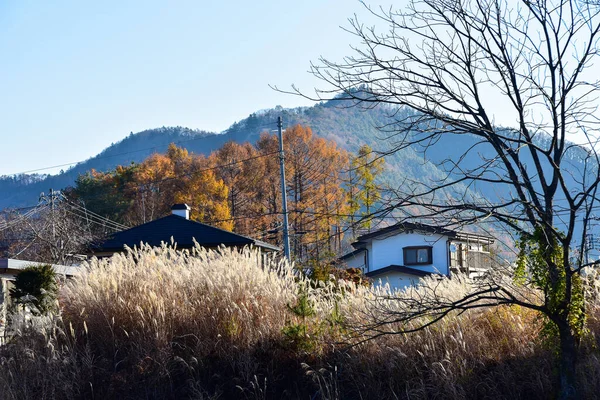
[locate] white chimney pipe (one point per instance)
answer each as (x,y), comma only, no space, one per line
(181,210)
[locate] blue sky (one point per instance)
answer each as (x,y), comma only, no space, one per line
(76,76)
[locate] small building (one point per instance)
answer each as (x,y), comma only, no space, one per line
(403,253)
(181,230)
(9,269)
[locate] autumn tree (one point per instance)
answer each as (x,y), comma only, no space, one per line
(236,187)
(314,168)
(362,190)
(329,206)
(142,192)
(179,177)
(153,189)
(454,64)
(242,170)
(269,197)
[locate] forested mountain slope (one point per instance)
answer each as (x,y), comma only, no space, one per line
(349,127)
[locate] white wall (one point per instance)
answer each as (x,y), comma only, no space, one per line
(396,280)
(388,251)
(357,260)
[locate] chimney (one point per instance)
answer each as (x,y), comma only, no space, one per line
(181,210)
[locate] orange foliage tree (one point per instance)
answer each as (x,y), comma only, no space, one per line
(180,177)
(242,170)
(316,199)
(237,188)
(141,193)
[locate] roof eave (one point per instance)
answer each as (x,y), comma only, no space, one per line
(352,253)
(398,268)
(190,246)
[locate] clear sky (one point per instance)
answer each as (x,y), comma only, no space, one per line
(76,76)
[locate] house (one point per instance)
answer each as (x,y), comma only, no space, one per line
(181,229)
(403,253)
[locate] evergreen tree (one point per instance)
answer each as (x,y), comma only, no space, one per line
(36,286)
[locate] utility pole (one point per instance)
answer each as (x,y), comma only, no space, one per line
(589,245)
(53,195)
(286,235)
(52,215)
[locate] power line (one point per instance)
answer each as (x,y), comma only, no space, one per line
(102,224)
(100,221)
(115,225)
(77,210)
(93,214)
(102,158)
(6,210)
(8,224)
(183,175)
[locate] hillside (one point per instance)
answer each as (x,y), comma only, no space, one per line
(23,190)
(348,127)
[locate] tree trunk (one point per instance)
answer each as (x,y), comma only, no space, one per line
(567,362)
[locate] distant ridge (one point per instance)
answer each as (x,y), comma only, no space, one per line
(349,127)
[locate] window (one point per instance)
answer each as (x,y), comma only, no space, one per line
(417,255)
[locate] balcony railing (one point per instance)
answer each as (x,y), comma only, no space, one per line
(470,261)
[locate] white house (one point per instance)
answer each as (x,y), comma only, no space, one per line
(403,253)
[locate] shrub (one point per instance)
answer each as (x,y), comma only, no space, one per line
(160,324)
(36,287)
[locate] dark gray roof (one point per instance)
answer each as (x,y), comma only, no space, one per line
(397,268)
(413,226)
(183,232)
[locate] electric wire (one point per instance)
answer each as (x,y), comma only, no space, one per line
(102,158)
(93,214)
(22,217)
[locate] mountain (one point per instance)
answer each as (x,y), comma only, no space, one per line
(348,127)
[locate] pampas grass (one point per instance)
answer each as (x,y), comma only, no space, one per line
(156,323)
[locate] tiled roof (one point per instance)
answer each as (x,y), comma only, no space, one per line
(183,232)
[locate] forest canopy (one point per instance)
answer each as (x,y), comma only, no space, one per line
(237,187)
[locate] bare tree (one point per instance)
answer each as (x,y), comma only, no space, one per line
(455,64)
(57,231)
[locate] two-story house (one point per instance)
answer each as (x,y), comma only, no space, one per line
(403,253)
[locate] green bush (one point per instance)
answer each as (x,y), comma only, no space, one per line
(36,287)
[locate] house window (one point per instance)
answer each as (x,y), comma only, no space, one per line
(417,255)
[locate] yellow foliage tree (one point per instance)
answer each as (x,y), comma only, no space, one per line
(180,177)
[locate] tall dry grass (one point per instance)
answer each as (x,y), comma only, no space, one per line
(159,323)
